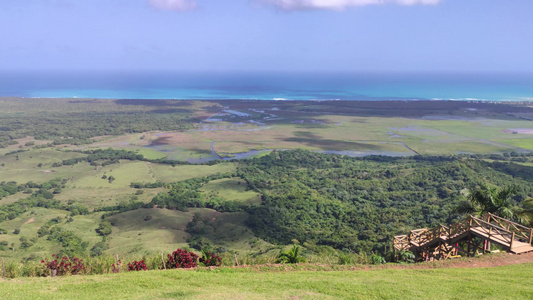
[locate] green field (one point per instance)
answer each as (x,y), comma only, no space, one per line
(233,189)
(509,282)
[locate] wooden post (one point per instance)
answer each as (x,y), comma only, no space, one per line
(236,260)
(163,260)
(3,267)
(530,236)
(328,260)
(512,239)
(469,242)
(118,264)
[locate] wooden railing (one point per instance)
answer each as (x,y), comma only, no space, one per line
(416,236)
(522,233)
(401,242)
(493,230)
(460,227)
(435,233)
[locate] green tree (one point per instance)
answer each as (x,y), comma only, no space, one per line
(526,212)
(105,228)
(489,200)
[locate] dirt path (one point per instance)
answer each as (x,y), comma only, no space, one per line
(487,261)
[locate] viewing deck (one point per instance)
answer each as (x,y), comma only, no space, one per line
(474,234)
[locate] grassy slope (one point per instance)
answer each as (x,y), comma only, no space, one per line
(233,189)
(86,186)
(509,282)
(30,222)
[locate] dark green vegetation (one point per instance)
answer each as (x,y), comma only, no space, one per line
(356,204)
(76,122)
(509,282)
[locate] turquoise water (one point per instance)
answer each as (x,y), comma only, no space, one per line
(269,86)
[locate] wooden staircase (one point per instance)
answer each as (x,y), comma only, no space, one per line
(474,234)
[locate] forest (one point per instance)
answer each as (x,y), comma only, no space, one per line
(356,204)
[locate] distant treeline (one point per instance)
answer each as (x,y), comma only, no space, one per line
(76,123)
(104,157)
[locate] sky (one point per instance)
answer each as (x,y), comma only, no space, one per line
(267,35)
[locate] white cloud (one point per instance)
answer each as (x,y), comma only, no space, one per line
(174,5)
(339,4)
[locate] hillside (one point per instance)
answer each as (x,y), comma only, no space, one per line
(327,202)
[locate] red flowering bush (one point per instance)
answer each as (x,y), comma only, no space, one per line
(64,266)
(210,260)
(115,268)
(181,259)
(137,266)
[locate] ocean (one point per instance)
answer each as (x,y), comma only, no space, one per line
(268,86)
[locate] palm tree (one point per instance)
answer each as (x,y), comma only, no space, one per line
(489,200)
(291,256)
(526,212)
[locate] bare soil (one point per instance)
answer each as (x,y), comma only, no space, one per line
(486,261)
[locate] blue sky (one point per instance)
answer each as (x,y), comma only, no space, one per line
(267,35)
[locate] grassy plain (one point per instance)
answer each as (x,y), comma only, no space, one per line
(509,282)
(354,128)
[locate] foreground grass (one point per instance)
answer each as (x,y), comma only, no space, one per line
(509,282)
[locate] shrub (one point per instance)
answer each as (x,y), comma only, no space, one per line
(98,249)
(210,260)
(137,266)
(345,259)
(181,259)
(406,256)
(378,259)
(115,268)
(105,228)
(291,256)
(64,266)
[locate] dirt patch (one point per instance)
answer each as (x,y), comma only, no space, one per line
(30,221)
(519,131)
(486,261)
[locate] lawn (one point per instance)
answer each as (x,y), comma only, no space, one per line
(508,282)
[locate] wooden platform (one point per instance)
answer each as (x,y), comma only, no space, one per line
(474,234)
(517,247)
